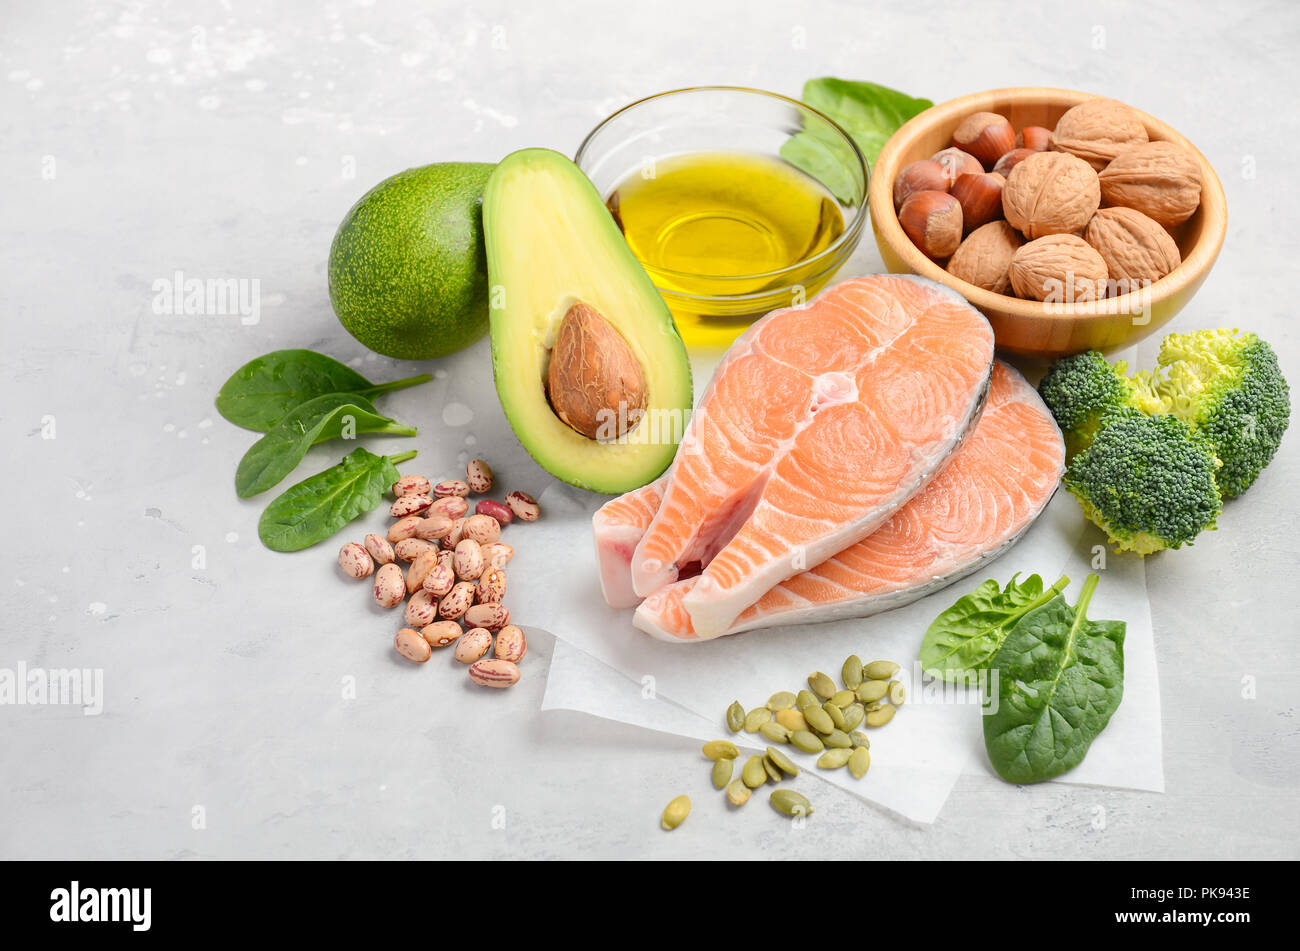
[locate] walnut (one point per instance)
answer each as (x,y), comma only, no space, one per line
(1135,248)
(1051,193)
(1160,179)
(1098,130)
(984,258)
(1060,269)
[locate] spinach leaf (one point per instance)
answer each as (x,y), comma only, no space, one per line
(1059,678)
(967,635)
(318,506)
(869,113)
(276,454)
(262,391)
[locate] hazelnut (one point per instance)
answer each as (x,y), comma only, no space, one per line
(927,175)
(1051,193)
(933,221)
(984,258)
(1160,179)
(985,135)
(1013,158)
(1033,137)
(1136,249)
(980,197)
(1098,130)
(957,163)
(1059,269)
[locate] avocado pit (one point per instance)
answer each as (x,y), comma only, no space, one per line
(594,382)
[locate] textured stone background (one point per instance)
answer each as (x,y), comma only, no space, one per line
(227,140)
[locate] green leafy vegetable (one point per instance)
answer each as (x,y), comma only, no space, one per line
(317,507)
(869,113)
(276,454)
(967,635)
(1059,678)
(262,391)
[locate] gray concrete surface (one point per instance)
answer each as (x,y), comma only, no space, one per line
(227,140)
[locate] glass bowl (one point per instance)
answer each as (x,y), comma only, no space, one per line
(732,119)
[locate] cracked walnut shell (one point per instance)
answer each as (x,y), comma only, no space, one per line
(1098,130)
(1134,247)
(1060,269)
(1051,193)
(984,258)
(1160,179)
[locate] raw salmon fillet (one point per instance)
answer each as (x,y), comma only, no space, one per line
(618,526)
(990,492)
(819,423)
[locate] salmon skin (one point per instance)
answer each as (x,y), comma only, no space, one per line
(820,422)
(988,495)
(618,527)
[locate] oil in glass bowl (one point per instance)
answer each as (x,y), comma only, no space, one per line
(724,223)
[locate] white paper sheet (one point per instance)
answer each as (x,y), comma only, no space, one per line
(917,758)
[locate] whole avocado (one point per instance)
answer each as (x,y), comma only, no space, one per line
(408,269)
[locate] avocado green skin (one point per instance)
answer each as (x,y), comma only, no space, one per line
(408,268)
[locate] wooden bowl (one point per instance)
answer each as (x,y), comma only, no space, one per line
(1034,328)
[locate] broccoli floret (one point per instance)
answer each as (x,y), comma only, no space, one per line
(1147,481)
(1081,389)
(1228,386)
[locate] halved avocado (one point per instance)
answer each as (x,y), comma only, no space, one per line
(607,412)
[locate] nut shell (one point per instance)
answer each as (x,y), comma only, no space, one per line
(927,175)
(933,221)
(1160,179)
(1051,193)
(984,258)
(985,135)
(1059,268)
(957,163)
(1034,137)
(1011,159)
(1134,247)
(1097,131)
(980,197)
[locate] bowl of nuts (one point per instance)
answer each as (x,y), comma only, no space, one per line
(1072,221)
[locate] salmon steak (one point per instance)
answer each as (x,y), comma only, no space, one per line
(819,423)
(988,495)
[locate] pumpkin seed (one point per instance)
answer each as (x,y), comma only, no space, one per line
(806,698)
(842,698)
(738,793)
(720,749)
(675,812)
(754,774)
(859,762)
(872,690)
(770,768)
(822,685)
(789,802)
(851,672)
(735,717)
(806,741)
(835,713)
(833,759)
(819,719)
(791,719)
(880,669)
(783,762)
(853,715)
(722,772)
(775,732)
(781,700)
(837,739)
(860,740)
(873,705)
(756,718)
(897,693)
(882,716)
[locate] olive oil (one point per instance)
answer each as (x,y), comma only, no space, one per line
(709,224)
